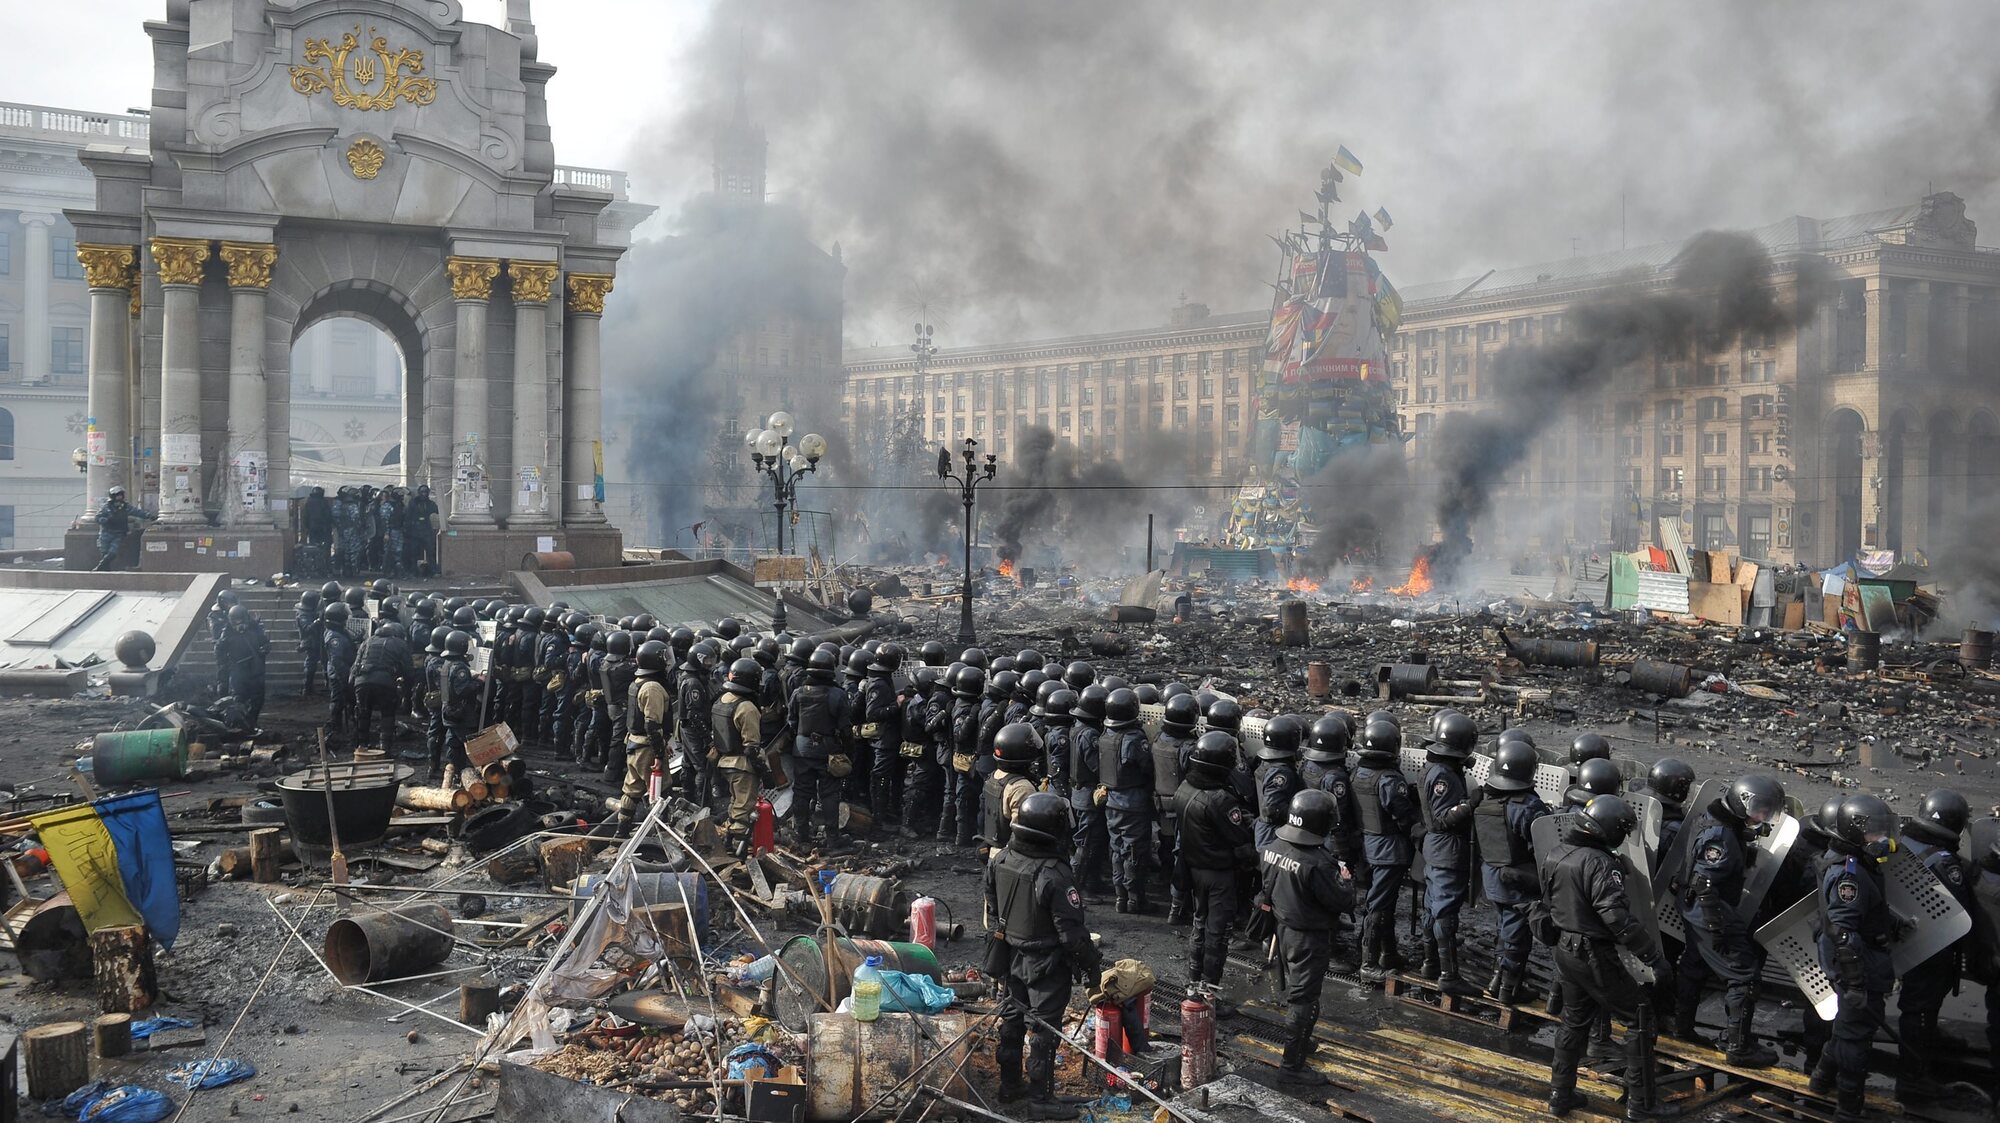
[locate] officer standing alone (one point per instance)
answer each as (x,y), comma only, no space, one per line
(1303,890)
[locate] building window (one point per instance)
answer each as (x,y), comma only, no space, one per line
(1153,365)
(1455,335)
(6,251)
(6,348)
(1110,423)
(1230,387)
(1208,387)
(1712,479)
(1111,395)
(1427,338)
(1087,395)
(7,447)
(1712,374)
(1180,417)
(1628,447)
(979,426)
(1456,392)
(1711,409)
(937,428)
(1229,360)
(1627,413)
(66,351)
(1673,479)
(1087,421)
(1489,332)
(1668,411)
(958,426)
(1232,413)
(1180,390)
(1714,444)
(6,527)
(1401,369)
(1520,328)
(1180,364)
(1201,361)
(1459,366)
(1759,405)
(1427,393)
(1757,443)
(1758,478)
(63,263)
(1159,418)
(1204,416)
(1760,372)
(1635,478)
(1670,444)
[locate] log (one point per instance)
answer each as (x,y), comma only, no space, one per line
(122,961)
(495,773)
(234,862)
(267,853)
(433,799)
(114,1034)
(499,791)
(435,846)
(57,1057)
(476,788)
(563,861)
(477,999)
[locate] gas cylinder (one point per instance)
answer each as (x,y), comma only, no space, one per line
(1197,1041)
(923,922)
(764,829)
(1109,1036)
(653,782)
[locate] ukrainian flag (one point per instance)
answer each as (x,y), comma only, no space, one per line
(1347,161)
(116,858)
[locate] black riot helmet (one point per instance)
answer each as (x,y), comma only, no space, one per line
(858,662)
(1756,798)
(665,637)
(888,659)
(1225,715)
(1121,709)
(619,644)
(1940,818)
(584,636)
(1670,779)
(464,617)
(973,657)
(767,652)
(1514,767)
(1017,745)
(1001,685)
(1041,823)
(1149,695)
(1173,688)
(1381,744)
(381,587)
(1115,682)
(335,614)
(427,609)
(239,616)
(356,598)
(681,640)
(1457,733)
(1029,689)
(728,627)
(393,630)
(1182,715)
(1327,741)
(1862,815)
(799,652)
(924,680)
(644,622)
(1089,708)
(1588,746)
(1039,706)
(970,683)
(1519,736)
(1606,819)
(1383,715)
(934,653)
(1027,657)
(457,644)
(1282,735)
(652,657)
(309,602)
(821,664)
(746,674)
(1600,777)
(1060,702)
(1308,819)
(226,599)
(1079,675)
(1215,754)
(597,640)
(330,591)
(1003,663)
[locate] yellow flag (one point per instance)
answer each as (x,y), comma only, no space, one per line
(87,861)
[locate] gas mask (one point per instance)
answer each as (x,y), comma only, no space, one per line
(1879,849)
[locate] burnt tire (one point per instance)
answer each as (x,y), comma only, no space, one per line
(491,828)
(264,811)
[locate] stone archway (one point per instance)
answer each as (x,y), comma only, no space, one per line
(281,185)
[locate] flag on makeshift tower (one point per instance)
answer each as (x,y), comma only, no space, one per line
(1382,218)
(116,859)
(1347,161)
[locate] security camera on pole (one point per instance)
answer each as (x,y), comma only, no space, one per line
(772,453)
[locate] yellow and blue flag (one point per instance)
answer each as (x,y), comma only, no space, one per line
(116,859)
(1347,161)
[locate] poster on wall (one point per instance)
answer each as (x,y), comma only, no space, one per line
(180,448)
(97,445)
(528,493)
(469,491)
(251,473)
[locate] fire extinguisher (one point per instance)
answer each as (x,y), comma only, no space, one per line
(923,922)
(764,830)
(653,782)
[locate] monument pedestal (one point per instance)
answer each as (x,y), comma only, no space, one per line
(238,551)
(502,549)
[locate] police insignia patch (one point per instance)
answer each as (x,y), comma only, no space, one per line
(1711,853)
(1075,898)
(1236,815)
(1438,788)
(1846,892)
(1953,874)
(1340,792)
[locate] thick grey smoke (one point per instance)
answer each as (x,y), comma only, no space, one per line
(1968,568)
(1052,497)
(1720,291)
(1073,167)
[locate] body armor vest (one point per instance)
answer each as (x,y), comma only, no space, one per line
(1022,918)
(722,717)
(1497,844)
(815,711)
(1368,798)
(1166,768)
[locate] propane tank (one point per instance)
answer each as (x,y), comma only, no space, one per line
(923,922)
(1197,1041)
(764,829)
(1109,1037)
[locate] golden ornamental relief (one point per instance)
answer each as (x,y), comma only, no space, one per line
(587,292)
(249,264)
(107,267)
(532,280)
(349,72)
(180,259)
(472,277)
(364,158)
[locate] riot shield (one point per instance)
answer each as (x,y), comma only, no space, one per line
(1652,820)
(1250,735)
(1477,770)
(1551,782)
(1916,894)
(1791,939)
(1411,761)
(1766,858)
(1547,832)
(1151,716)
(1676,856)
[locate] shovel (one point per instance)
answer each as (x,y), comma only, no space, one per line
(1263,982)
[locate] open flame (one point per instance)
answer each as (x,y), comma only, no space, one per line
(1302,585)
(1419,581)
(1361,585)
(1006,567)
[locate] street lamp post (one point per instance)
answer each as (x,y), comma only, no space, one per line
(968,479)
(772,453)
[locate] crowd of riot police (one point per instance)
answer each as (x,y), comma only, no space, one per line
(392,531)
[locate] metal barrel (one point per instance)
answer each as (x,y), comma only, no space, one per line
(1975,649)
(130,756)
(1670,679)
(1319,680)
(1293,629)
(371,946)
(871,906)
(1554,652)
(803,980)
(855,1064)
(1864,652)
(544,560)
(1397,680)
(658,888)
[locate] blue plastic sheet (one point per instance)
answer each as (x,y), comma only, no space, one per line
(102,1102)
(212,1073)
(147,1027)
(914,994)
(749,1058)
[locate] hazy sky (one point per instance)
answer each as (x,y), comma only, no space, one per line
(1053,166)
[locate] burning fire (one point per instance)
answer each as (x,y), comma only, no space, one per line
(1006,567)
(1302,585)
(1361,585)
(1419,581)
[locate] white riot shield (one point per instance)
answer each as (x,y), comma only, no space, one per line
(1767,858)
(1411,760)
(1916,894)
(1151,716)
(1676,856)
(1547,832)
(1477,770)
(1791,939)
(1652,820)
(1551,782)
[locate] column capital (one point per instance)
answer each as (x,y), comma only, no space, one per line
(180,259)
(37,218)
(107,266)
(472,277)
(587,292)
(249,263)
(532,280)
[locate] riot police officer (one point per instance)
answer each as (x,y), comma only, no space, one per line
(1215,842)
(551,651)
(1092,850)
(1172,748)
(1277,775)
(1856,929)
(819,714)
(964,782)
(338,643)
(1448,810)
(1719,941)
(1983,960)
(1125,766)
(240,654)
(380,672)
(924,783)
(1585,882)
(1039,943)
(1388,811)
(1669,781)
(693,731)
(312,638)
(1324,768)
(618,672)
(882,729)
(1303,889)
(739,752)
(1594,777)
(1586,747)
(647,713)
(1502,823)
(938,724)
(114,522)
(1932,835)
(1015,750)
(458,705)
(1057,724)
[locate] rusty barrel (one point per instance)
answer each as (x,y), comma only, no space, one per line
(869,906)
(1864,652)
(372,946)
(539,560)
(871,1070)
(1670,679)
(1554,652)
(1398,680)
(1293,630)
(1319,680)
(1975,649)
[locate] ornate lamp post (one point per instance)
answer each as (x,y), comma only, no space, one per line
(772,453)
(968,480)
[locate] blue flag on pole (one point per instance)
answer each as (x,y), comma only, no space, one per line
(138,826)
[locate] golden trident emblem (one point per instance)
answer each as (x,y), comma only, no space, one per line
(349,71)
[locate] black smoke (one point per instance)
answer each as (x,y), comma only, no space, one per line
(1051,496)
(1720,291)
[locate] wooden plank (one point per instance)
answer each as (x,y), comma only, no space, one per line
(1448,1097)
(1720,603)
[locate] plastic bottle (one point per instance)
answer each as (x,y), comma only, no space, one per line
(868,990)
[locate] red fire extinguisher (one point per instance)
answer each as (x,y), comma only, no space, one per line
(1197,1041)
(764,829)
(653,782)
(1110,1037)
(923,922)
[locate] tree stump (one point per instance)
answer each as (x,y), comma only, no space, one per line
(234,862)
(114,1035)
(564,860)
(477,999)
(266,855)
(57,1057)
(122,960)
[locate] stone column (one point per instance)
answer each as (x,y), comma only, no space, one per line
(583,392)
(249,467)
(35,297)
(1960,360)
(532,283)
(108,425)
(471,288)
(1871,344)
(1917,327)
(180,261)
(1917,485)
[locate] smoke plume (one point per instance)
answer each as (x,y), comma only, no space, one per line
(1053,497)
